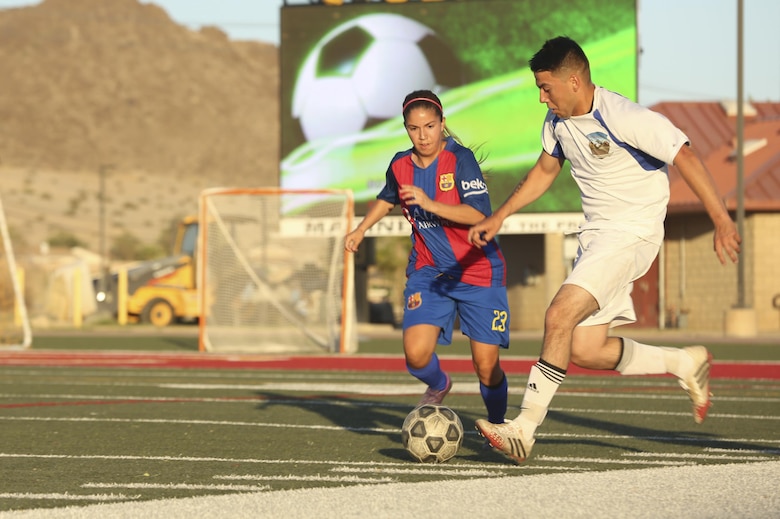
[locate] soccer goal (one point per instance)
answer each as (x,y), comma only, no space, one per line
(273,275)
(15,329)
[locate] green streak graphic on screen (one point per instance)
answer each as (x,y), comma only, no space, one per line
(345,71)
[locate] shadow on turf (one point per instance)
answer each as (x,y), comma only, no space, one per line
(357,416)
(374,419)
(662,436)
(371,418)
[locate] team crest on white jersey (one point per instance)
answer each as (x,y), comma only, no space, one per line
(599,144)
(447,181)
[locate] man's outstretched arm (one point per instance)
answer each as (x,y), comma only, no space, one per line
(726,239)
(532,186)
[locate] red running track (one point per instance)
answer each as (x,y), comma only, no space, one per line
(513,365)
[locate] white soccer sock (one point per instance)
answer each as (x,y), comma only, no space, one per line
(543,381)
(644,359)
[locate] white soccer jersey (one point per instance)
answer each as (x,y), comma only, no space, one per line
(619,154)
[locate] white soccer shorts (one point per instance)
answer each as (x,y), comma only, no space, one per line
(607,264)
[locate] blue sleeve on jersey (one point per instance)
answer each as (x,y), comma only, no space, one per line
(550,122)
(558,152)
(471,184)
(389,192)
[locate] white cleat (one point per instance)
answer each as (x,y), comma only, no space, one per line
(697,382)
(507,438)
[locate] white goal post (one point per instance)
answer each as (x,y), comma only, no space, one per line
(273,275)
(15,331)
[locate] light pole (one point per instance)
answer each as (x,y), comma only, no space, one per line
(741,319)
(103,288)
(740,153)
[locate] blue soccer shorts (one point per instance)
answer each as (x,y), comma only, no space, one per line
(437,299)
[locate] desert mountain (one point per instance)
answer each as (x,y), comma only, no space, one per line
(117,86)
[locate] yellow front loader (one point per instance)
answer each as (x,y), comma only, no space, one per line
(162,291)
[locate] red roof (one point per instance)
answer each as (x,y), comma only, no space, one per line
(712,132)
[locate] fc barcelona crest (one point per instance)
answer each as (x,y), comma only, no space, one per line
(446,181)
(414,301)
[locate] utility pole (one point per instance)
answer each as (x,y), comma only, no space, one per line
(740,319)
(740,152)
(102,172)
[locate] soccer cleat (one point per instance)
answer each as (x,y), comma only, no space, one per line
(435,396)
(507,438)
(697,382)
(486,443)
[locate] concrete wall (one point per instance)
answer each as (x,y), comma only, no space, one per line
(536,267)
(699,290)
(765,248)
(526,279)
(704,289)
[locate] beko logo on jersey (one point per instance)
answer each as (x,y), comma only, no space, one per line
(473,184)
(473,187)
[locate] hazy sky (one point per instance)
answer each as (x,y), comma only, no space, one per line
(689,47)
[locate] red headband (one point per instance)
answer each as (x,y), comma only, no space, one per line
(422,99)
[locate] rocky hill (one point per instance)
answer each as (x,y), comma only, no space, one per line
(116,88)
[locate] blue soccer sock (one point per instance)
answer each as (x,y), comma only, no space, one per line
(432,374)
(495,398)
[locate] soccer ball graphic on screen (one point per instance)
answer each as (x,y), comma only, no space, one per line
(359,73)
(432,433)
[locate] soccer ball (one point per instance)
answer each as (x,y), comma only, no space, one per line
(432,433)
(359,73)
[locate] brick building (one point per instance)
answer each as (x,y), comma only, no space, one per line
(697,291)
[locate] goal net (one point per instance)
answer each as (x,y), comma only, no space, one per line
(15,329)
(273,274)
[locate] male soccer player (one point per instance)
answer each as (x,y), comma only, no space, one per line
(619,153)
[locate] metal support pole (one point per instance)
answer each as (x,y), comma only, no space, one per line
(740,154)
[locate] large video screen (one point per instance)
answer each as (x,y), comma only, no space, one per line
(345,71)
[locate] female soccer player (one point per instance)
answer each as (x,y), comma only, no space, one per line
(440,188)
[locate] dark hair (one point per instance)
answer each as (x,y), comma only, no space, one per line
(427,99)
(558,53)
(422,98)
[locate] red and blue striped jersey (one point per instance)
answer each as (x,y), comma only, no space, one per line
(453,178)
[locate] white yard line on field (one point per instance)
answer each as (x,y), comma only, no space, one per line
(318,478)
(179,486)
(56,496)
(731,457)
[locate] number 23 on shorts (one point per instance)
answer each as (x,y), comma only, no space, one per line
(499,320)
